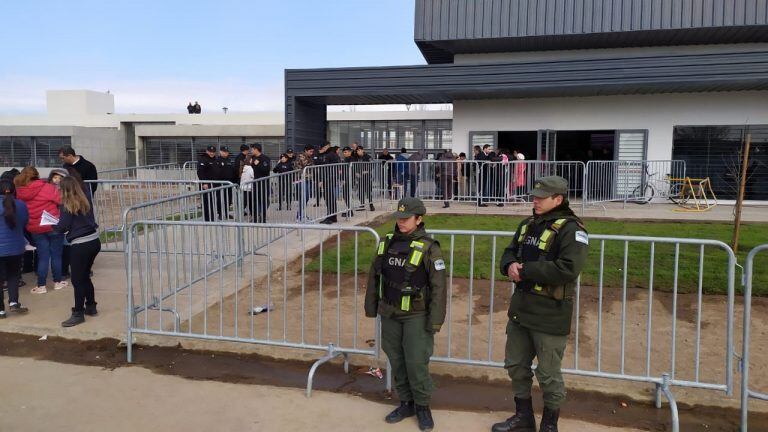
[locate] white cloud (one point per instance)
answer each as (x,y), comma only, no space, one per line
(27,95)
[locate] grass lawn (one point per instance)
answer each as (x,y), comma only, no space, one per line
(638,254)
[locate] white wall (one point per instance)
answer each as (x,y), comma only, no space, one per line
(656,113)
(87,102)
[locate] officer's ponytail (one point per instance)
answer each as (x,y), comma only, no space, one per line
(9,203)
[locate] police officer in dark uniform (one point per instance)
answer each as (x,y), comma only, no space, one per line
(329,177)
(365,178)
(544,260)
(262,167)
(407,288)
(227,172)
(347,156)
(208,169)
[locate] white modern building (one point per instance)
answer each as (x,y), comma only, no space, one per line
(87,121)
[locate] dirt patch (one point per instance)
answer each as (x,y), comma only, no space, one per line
(451,393)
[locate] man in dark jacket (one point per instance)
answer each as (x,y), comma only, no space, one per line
(86,169)
(364,177)
(227,172)
(329,178)
(208,169)
(240,162)
(544,260)
(262,166)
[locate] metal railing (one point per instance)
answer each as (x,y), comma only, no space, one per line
(280,294)
(641,323)
(113,197)
(643,181)
(746,391)
(165,171)
(512,182)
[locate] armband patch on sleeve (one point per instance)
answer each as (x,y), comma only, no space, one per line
(439,265)
(582,237)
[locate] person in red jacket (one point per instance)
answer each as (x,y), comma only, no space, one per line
(40,196)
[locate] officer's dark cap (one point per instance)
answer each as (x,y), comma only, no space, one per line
(349,149)
(244,147)
(290,150)
(409,206)
(224,149)
(210,148)
(546,187)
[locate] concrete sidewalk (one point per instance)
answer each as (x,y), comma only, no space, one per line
(43,396)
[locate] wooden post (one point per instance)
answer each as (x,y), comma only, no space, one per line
(740,196)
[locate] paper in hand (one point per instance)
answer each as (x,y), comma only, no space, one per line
(48,219)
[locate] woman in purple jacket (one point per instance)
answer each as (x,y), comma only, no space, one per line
(14,215)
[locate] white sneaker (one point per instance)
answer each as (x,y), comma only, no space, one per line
(60,285)
(39,290)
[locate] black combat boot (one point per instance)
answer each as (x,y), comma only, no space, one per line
(90,309)
(76,318)
(403,411)
(424,416)
(549,420)
(522,421)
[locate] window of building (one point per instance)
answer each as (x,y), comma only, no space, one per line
(393,134)
(716,152)
(160,150)
(42,152)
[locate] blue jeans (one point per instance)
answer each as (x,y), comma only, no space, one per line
(49,249)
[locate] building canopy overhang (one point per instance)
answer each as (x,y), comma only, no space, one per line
(309,91)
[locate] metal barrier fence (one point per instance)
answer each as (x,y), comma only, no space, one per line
(639,306)
(746,391)
(434,180)
(278,294)
(166,171)
(506,183)
(631,181)
(113,197)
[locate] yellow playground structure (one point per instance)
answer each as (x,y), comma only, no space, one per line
(692,194)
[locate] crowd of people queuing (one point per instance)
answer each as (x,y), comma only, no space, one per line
(54,218)
(452,177)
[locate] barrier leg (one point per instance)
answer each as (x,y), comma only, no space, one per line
(672,403)
(332,354)
(657,397)
(389,376)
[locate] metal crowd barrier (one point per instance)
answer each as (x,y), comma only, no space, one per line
(435,180)
(646,340)
(166,171)
(746,391)
(625,328)
(279,294)
(511,182)
(112,197)
(327,192)
(631,181)
(213,205)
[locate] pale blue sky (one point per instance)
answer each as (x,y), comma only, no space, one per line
(157,55)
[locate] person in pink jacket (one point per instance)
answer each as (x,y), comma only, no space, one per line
(40,196)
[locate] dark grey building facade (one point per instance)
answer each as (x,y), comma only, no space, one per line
(554,78)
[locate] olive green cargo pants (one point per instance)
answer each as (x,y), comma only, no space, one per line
(409,346)
(523,344)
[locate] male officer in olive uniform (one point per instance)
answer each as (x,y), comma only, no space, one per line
(406,286)
(544,260)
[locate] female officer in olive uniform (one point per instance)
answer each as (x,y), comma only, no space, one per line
(406,286)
